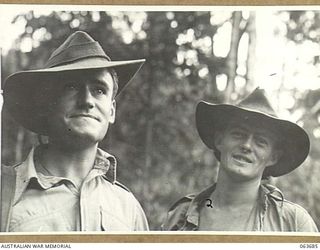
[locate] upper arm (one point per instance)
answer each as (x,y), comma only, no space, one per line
(141,222)
(305,223)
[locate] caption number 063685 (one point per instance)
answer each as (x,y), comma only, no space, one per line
(309,246)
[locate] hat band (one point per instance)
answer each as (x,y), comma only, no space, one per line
(76,52)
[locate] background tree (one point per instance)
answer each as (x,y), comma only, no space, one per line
(303,31)
(190,56)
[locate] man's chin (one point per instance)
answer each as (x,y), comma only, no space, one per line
(241,175)
(84,136)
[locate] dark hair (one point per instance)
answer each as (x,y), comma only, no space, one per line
(115,82)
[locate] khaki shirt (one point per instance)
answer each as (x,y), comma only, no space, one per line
(274,213)
(45,203)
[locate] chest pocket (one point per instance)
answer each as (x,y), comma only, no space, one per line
(41,223)
(113,222)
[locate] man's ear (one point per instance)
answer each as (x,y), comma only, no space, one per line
(113,112)
(275,157)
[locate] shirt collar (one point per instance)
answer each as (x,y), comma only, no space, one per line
(268,190)
(193,212)
(27,171)
(108,162)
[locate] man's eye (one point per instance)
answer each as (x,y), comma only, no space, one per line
(70,86)
(100,91)
(261,141)
(237,134)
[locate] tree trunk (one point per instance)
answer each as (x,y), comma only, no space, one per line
(251,58)
(233,55)
(214,90)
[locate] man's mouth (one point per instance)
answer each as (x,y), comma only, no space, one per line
(242,158)
(85,115)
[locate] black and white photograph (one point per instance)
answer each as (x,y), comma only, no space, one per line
(160,118)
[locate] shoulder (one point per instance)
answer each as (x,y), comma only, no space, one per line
(122,186)
(117,189)
(120,194)
(120,208)
(295,210)
(9,170)
(276,197)
(177,213)
(196,197)
(292,213)
(182,202)
(124,193)
(185,207)
(302,219)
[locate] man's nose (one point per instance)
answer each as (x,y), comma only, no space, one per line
(247,143)
(85,98)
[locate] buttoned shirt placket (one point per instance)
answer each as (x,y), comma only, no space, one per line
(83,208)
(101,167)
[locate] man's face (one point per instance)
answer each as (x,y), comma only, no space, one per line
(83,107)
(246,150)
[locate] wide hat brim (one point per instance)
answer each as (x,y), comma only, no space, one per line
(295,144)
(19,87)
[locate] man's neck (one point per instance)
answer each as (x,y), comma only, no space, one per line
(72,163)
(234,193)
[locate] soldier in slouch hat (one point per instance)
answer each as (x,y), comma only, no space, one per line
(69,184)
(251,143)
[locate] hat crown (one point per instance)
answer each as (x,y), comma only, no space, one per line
(258,101)
(79,37)
(79,45)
